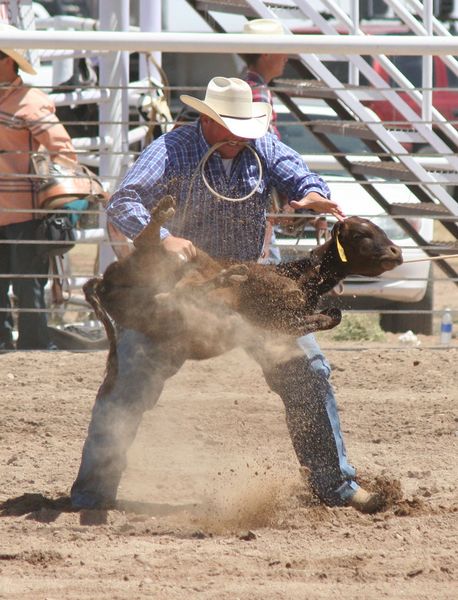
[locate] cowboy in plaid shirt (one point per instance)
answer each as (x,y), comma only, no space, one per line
(204,165)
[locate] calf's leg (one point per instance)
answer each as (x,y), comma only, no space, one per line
(193,283)
(300,324)
(150,235)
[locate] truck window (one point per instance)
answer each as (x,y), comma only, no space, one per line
(451,78)
(410,67)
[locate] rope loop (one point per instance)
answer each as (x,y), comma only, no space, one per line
(204,160)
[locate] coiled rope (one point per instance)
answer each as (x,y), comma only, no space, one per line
(200,170)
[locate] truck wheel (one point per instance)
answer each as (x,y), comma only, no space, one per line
(418,323)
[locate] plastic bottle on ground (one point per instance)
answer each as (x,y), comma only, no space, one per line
(446,327)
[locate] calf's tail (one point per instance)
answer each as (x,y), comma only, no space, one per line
(91,292)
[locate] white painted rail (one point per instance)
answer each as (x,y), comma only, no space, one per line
(229,43)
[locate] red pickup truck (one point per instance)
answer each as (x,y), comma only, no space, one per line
(445,88)
(445,82)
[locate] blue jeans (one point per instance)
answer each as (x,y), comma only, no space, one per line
(23,259)
(322,371)
(302,383)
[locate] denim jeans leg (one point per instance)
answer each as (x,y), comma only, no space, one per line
(321,367)
(6,318)
(32,326)
(116,416)
(313,421)
(30,291)
(322,370)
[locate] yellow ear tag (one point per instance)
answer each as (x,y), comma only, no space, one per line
(340,250)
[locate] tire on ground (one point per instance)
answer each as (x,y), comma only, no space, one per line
(418,322)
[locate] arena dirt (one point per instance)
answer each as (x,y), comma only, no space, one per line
(212,505)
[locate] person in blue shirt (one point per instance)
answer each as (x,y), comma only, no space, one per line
(221,170)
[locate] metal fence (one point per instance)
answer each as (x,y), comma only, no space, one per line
(124,121)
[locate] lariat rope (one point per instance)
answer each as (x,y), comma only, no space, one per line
(201,168)
(440,257)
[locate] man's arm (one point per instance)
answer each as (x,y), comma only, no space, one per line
(144,184)
(129,209)
(292,177)
(46,128)
(181,246)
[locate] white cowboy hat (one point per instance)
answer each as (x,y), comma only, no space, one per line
(229,102)
(17,55)
(264,26)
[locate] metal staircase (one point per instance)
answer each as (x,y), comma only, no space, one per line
(386,141)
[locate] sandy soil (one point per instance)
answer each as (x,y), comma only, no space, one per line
(211,505)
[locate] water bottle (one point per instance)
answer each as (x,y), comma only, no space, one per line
(446,327)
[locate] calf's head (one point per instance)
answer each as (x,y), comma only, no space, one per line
(364,247)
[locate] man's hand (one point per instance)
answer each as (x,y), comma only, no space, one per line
(316,202)
(184,248)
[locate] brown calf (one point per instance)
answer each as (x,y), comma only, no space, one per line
(207,307)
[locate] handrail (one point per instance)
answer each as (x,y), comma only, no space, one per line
(90,42)
(229,43)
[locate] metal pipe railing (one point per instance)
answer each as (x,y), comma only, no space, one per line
(221,43)
(230,43)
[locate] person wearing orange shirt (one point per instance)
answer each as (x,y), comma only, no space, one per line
(27,124)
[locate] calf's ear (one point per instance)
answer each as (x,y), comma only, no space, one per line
(336,229)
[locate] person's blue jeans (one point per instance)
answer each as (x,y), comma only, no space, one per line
(322,386)
(23,259)
(302,383)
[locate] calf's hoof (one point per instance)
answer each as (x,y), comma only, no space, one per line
(234,274)
(367,502)
(164,210)
(238,273)
(335,314)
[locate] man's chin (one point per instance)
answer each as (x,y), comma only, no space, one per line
(230,150)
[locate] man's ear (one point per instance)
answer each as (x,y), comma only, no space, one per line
(10,64)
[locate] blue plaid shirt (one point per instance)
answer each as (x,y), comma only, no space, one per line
(222,228)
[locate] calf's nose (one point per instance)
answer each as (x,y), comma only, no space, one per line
(394,251)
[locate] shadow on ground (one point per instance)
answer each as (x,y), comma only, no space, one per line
(38,507)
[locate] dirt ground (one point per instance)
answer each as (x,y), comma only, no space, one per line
(212,505)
